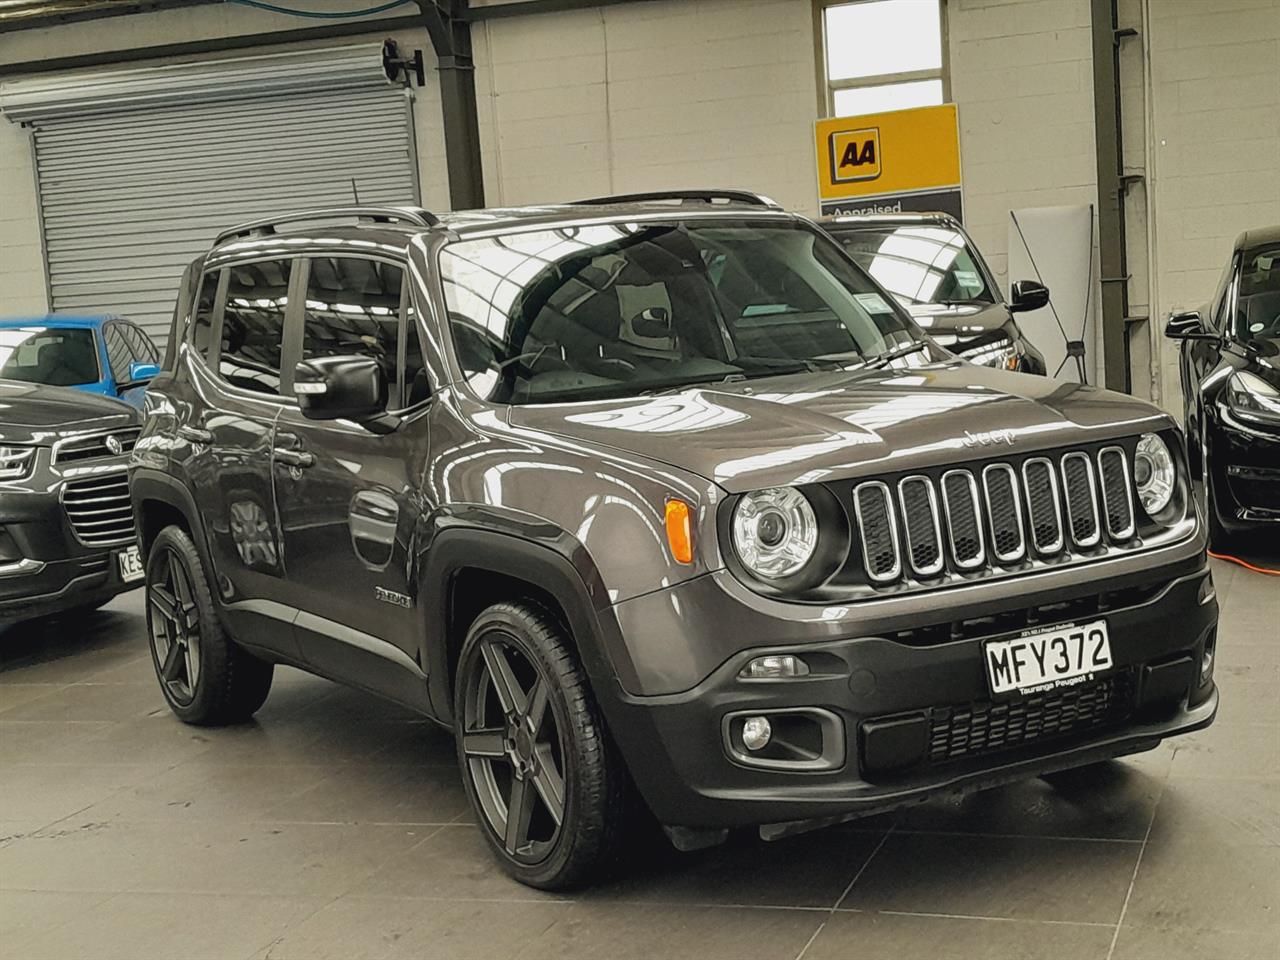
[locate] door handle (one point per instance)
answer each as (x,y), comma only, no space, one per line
(293,458)
(195,434)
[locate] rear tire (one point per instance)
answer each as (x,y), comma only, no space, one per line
(534,741)
(205,677)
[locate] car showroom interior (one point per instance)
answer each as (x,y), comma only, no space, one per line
(555,479)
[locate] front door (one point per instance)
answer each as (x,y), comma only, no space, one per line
(347,497)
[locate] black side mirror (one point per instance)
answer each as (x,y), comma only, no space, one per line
(1187,325)
(344,388)
(1027,295)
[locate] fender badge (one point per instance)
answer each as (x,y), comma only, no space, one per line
(390,596)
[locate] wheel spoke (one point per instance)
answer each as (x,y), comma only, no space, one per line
(550,785)
(537,706)
(519,812)
(165,604)
(192,654)
(504,681)
(483,743)
(173,661)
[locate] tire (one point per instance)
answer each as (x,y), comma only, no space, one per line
(205,677)
(509,755)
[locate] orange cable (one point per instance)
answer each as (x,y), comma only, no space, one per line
(1243,563)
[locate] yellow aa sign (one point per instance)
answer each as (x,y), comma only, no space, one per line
(895,155)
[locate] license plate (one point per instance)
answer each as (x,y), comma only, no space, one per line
(129,560)
(1060,656)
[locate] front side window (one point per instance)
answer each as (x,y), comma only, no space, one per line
(628,309)
(920,264)
(1258,297)
(253,325)
(58,356)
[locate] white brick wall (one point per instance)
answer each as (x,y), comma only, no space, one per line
(22,280)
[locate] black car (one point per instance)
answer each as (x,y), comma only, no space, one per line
(929,263)
(1230,372)
(67,536)
(657,500)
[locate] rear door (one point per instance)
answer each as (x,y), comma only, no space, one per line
(348,499)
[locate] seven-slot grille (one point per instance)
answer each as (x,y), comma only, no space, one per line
(1001,514)
(99,509)
(96,447)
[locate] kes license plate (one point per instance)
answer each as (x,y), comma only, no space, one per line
(129,562)
(1058,657)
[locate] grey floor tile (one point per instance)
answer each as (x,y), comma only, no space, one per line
(1205,943)
(1027,878)
(54,791)
(92,701)
(355,928)
(1219,812)
(378,793)
(16,694)
(1110,801)
(1242,752)
(624,931)
(883,936)
(1192,882)
(33,741)
(165,926)
(1249,702)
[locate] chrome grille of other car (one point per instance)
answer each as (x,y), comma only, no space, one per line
(99,509)
(1000,515)
(96,446)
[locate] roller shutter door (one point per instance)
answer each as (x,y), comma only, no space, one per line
(129,196)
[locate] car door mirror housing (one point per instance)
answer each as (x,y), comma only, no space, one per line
(1027,295)
(141,372)
(343,388)
(1187,325)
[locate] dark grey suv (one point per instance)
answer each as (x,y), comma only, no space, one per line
(655,500)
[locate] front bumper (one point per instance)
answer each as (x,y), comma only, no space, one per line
(1246,461)
(680,749)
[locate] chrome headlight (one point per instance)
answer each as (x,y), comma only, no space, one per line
(16,462)
(775,532)
(1252,397)
(1153,473)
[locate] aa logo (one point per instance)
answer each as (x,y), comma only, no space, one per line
(855,155)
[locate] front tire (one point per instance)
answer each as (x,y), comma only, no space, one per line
(544,780)
(205,677)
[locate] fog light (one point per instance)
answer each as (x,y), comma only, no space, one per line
(1207,591)
(756,732)
(1206,661)
(779,667)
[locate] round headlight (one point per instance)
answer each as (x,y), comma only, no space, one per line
(1153,473)
(774,532)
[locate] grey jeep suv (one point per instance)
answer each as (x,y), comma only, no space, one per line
(655,500)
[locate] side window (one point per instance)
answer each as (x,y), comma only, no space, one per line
(119,356)
(202,316)
(140,345)
(253,325)
(354,308)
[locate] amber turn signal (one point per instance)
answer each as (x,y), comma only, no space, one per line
(680,530)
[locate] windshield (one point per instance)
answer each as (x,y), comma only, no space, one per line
(629,309)
(1258,303)
(919,264)
(59,356)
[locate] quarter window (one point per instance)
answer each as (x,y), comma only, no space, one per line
(202,322)
(253,325)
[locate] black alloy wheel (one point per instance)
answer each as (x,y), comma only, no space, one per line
(545,782)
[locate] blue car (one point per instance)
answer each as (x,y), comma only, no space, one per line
(98,354)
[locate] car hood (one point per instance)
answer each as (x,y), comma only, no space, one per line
(964,326)
(32,412)
(804,429)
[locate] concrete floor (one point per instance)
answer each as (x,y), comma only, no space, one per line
(336,826)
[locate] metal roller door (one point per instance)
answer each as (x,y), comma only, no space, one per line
(129,196)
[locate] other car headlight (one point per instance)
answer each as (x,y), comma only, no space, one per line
(1005,355)
(16,462)
(775,532)
(1153,473)
(1252,397)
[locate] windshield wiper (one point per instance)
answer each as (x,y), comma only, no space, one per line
(683,384)
(880,360)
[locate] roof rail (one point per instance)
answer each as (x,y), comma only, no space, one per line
(416,216)
(685,196)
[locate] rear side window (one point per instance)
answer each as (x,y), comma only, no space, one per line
(202,316)
(253,325)
(126,345)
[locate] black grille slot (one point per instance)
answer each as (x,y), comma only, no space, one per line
(879,538)
(1117,501)
(1005,516)
(960,497)
(96,447)
(99,509)
(983,727)
(1082,500)
(920,520)
(1043,512)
